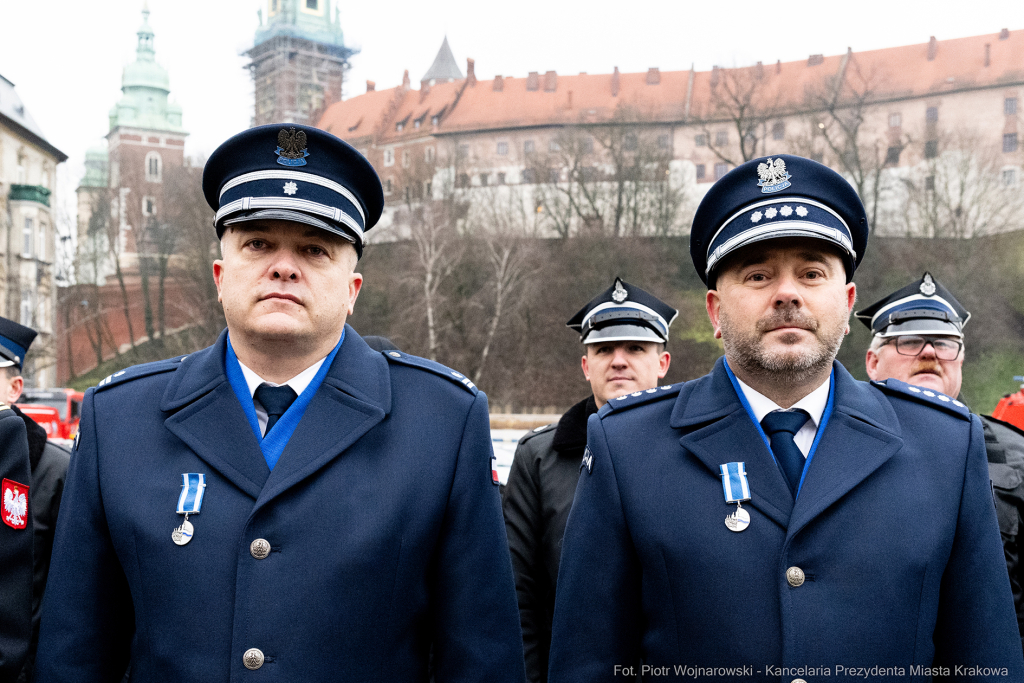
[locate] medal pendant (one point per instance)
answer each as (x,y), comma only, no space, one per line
(738,520)
(183,534)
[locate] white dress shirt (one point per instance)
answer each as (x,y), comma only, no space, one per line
(814,403)
(298,383)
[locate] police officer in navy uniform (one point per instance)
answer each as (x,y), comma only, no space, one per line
(48,463)
(776,514)
(16,524)
(624,331)
(919,339)
(287,504)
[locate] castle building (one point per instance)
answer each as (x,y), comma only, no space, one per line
(893,113)
(298,61)
(28,168)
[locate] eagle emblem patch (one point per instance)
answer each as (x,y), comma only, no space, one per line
(15,512)
(291,147)
(773,176)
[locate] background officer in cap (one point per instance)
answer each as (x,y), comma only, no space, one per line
(776,512)
(16,525)
(624,331)
(288,503)
(919,339)
(48,462)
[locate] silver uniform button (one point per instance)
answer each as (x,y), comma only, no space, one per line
(259,548)
(253,659)
(795,576)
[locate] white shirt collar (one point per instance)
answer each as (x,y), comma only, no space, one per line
(814,402)
(298,383)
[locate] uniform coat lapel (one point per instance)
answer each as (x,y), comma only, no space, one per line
(862,434)
(721,431)
(206,415)
(355,396)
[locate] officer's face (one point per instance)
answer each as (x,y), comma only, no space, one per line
(622,367)
(923,370)
(781,308)
(281,281)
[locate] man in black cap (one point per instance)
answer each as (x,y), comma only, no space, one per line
(288,504)
(776,519)
(16,525)
(49,465)
(919,339)
(624,331)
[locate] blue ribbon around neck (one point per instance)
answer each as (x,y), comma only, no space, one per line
(829,405)
(275,441)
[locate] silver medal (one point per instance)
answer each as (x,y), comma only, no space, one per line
(183,534)
(738,520)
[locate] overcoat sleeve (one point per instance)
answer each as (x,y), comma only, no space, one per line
(476,621)
(87,618)
(15,550)
(598,608)
(976,622)
(522,524)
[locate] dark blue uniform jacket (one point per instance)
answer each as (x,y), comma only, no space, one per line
(15,547)
(894,529)
(385,530)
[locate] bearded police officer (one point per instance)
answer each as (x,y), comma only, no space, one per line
(16,524)
(288,504)
(624,331)
(919,339)
(776,514)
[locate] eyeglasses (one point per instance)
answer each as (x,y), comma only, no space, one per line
(912,345)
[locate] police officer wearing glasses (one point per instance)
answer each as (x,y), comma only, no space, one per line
(919,339)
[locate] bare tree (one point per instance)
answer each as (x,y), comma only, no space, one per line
(744,102)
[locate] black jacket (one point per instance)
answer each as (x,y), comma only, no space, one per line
(15,546)
(537,499)
(49,463)
(1005,446)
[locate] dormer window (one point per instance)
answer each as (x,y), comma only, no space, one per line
(434,120)
(400,126)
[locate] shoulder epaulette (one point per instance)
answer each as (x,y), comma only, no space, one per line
(139,371)
(639,398)
(432,366)
(929,397)
(537,430)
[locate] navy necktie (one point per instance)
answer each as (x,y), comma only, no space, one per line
(275,400)
(781,426)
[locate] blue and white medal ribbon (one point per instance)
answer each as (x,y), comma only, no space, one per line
(189,503)
(737,490)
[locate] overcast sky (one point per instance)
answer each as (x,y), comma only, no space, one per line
(65,56)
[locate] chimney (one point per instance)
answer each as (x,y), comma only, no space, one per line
(933,47)
(653,76)
(569,101)
(988,54)
(714,76)
(615,82)
(499,84)
(1004,34)
(532,81)
(550,81)
(424,89)
(471,72)
(778,67)
(370,86)
(405,80)
(759,71)
(815,60)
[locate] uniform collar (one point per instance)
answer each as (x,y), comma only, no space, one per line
(298,383)
(571,432)
(814,402)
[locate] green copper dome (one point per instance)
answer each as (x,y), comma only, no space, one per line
(309,19)
(145,85)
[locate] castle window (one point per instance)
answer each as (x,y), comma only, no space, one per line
(502,148)
(388,186)
(463,180)
(721,138)
(501,178)
(154,167)
(273,6)
(27,234)
(1010,142)
(721,170)
(463,151)
(700,140)
(702,171)
(1010,106)
(389,157)
(892,156)
(1009,177)
(931,114)
(528,147)
(529,175)
(931,149)
(313,4)
(428,154)
(629,142)
(553,145)
(483,179)
(929,184)
(895,120)
(26,308)
(406,159)
(663,142)
(148,206)
(778,131)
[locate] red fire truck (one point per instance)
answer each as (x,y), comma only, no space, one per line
(67,403)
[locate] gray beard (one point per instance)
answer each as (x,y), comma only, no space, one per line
(746,349)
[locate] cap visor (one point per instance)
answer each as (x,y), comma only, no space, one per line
(613,333)
(923,326)
(288,215)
